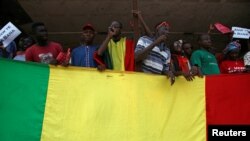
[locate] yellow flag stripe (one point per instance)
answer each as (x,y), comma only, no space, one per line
(86,105)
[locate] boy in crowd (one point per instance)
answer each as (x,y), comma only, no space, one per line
(23,44)
(43,51)
(202,60)
(180,62)
(116,52)
(83,55)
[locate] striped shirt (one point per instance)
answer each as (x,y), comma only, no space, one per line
(158,60)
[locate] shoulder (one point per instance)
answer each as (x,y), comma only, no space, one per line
(198,52)
(76,49)
(55,44)
(33,47)
(95,46)
(30,50)
(146,38)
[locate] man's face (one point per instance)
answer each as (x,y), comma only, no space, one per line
(177,47)
(41,33)
(88,36)
(162,30)
(206,41)
(115,27)
(187,48)
(233,55)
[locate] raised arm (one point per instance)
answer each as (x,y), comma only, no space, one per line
(145,26)
(104,45)
(142,54)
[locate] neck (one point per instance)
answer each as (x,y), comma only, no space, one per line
(116,38)
(42,43)
(87,44)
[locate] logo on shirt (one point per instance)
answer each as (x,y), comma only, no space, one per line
(46,58)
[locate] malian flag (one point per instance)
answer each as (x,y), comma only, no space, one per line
(53,103)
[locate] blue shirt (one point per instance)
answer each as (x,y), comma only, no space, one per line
(10,50)
(83,56)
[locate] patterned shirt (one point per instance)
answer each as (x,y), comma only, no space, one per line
(158,60)
(83,56)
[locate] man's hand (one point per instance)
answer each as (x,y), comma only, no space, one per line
(111,31)
(136,13)
(54,62)
(65,63)
(188,76)
(196,71)
(161,39)
(101,68)
(170,75)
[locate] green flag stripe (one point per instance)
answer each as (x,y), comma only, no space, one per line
(21,112)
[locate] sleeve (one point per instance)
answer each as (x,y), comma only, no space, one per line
(59,48)
(28,55)
(166,65)
(196,59)
(140,45)
(98,59)
(11,49)
(73,57)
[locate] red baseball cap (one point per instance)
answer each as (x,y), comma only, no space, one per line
(88,26)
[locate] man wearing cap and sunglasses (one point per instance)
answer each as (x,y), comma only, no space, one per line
(83,55)
(153,53)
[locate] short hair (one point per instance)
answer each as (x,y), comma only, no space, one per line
(120,24)
(35,25)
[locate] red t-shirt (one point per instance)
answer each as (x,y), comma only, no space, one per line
(229,66)
(43,54)
(181,63)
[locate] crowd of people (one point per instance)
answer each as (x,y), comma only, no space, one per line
(149,54)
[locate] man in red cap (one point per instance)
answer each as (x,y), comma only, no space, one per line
(83,54)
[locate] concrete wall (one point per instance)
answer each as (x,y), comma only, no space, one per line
(64,18)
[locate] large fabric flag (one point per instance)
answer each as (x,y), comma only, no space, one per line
(53,103)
